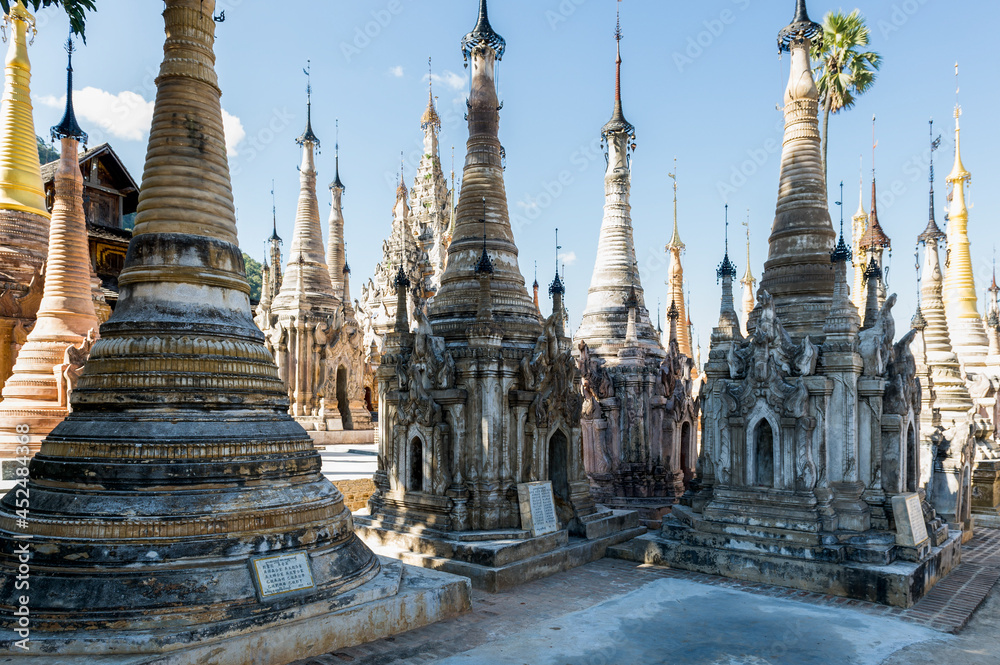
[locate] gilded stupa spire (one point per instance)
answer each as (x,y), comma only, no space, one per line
(20,172)
(859,224)
(960,297)
(430,119)
(748,282)
(675,238)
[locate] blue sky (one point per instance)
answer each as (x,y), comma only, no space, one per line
(701,81)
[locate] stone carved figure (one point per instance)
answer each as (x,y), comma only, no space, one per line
(70,370)
(875,343)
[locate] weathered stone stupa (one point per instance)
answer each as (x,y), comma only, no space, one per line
(639,417)
(179,510)
(24,219)
(797,272)
(310,330)
(482,397)
(809,460)
(47,367)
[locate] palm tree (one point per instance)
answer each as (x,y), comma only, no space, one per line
(76,9)
(844,70)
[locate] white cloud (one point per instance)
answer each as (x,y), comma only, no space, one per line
(396,71)
(567,258)
(128,115)
(449,79)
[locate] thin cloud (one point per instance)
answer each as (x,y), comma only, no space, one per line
(396,71)
(449,79)
(567,258)
(128,115)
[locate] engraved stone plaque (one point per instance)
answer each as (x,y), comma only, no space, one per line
(538,507)
(911,530)
(282,573)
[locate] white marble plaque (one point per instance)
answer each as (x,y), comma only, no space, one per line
(538,507)
(910,527)
(282,573)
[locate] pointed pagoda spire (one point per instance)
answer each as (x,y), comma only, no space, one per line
(728,327)
(615,280)
(455,304)
(874,240)
(34,395)
(430,121)
(307,276)
(932,232)
(959,292)
(842,322)
(336,253)
(68,127)
(797,272)
(859,224)
(675,241)
(618,124)
(308,136)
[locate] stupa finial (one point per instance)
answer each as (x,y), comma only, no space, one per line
(68,127)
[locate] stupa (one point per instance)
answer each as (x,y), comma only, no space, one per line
(639,419)
(179,511)
(809,461)
(481,401)
(37,394)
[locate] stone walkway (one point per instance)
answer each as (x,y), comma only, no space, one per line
(615,612)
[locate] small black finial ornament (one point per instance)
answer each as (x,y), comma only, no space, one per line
(800,28)
(483,33)
(308,136)
(68,127)
(485,265)
(841,252)
(727,269)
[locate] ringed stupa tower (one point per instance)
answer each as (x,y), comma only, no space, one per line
(47,367)
(335,250)
(797,272)
(635,448)
(160,504)
(24,219)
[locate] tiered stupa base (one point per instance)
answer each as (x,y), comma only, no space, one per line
(868,566)
(398,599)
(500,559)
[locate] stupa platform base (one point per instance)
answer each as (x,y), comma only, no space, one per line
(501,559)
(651,510)
(877,572)
(399,599)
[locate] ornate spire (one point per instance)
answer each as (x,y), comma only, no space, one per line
(336,161)
(307,283)
(728,327)
(932,232)
(483,34)
(797,271)
(874,240)
(20,173)
(68,127)
(274,217)
(308,136)
(430,119)
(675,238)
(618,124)
(485,265)
(335,251)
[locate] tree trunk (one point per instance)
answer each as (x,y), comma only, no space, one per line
(826,137)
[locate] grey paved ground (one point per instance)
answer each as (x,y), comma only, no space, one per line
(614,612)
